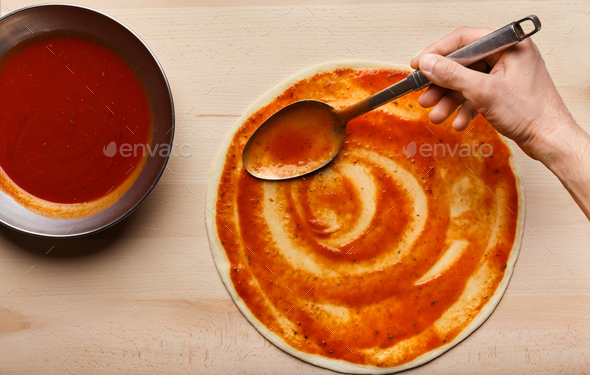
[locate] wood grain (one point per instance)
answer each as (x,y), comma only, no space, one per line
(145,295)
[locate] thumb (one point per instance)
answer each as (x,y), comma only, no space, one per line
(451,75)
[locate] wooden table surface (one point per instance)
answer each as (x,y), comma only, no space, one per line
(145,296)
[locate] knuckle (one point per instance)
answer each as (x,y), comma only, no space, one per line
(527,48)
(527,43)
(462,33)
(531,49)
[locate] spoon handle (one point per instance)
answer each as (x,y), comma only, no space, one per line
(492,43)
(488,45)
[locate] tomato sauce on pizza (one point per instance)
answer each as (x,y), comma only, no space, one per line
(390,252)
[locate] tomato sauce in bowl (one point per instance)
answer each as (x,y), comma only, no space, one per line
(87,120)
(75,121)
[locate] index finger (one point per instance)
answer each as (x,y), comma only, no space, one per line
(457,39)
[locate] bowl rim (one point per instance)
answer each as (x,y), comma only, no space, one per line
(173,128)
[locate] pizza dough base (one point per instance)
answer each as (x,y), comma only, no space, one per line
(223,266)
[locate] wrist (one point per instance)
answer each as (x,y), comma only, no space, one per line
(562,149)
(566,154)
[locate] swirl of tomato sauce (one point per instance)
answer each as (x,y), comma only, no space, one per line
(382,256)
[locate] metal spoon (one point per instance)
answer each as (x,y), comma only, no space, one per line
(306,135)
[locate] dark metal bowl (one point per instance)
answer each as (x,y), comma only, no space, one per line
(14,28)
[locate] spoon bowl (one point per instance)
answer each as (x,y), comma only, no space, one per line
(296,140)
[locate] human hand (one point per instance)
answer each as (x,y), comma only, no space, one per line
(517,97)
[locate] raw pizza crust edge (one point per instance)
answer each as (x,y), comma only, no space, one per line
(222,262)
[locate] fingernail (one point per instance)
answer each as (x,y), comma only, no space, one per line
(427,62)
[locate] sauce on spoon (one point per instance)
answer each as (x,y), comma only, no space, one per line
(297,139)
